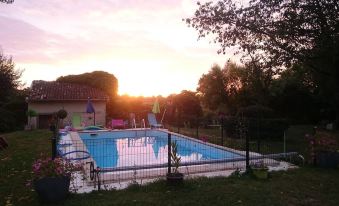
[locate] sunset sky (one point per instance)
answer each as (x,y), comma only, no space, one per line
(144,43)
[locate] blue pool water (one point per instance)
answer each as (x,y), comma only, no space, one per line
(146,147)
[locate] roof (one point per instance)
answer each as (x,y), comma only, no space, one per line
(59,91)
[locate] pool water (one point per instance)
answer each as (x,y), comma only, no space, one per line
(139,148)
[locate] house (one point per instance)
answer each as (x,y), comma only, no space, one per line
(47,97)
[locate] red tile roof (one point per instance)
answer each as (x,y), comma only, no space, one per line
(56,91)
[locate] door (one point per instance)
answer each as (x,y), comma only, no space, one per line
(44,121)
(76,120)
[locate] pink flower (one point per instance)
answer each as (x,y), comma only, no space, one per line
(47,167)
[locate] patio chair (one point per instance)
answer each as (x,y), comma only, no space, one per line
(118,124)
(153,121)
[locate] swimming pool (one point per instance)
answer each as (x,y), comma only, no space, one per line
(140,148)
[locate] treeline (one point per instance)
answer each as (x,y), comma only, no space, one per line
(290,93)
(230,91)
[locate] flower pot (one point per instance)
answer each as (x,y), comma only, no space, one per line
(52,189)
(260,173)
(327,159)
(175,178)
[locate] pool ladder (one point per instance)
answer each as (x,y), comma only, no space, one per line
(143,123)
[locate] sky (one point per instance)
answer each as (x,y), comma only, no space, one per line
(144,43)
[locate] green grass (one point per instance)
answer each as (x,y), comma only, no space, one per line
(305,186)
(16,161)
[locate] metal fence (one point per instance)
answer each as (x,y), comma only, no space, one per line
(112,159)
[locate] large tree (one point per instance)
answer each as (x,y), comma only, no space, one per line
(98,79)
(9,77)
(211,88)
(279,33)
(183,107)
(12,100)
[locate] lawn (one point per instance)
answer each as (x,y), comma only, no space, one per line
(305,186)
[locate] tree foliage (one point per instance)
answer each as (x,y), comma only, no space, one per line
(12,112)
(234,86)
(98,79)
(279,34)
(187,104)
(211,88)
(6,1)
(295,95)
(183,107)
(12,100)
(9,77)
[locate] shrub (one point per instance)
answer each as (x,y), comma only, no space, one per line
(62,114)
(256,111)
(7,121)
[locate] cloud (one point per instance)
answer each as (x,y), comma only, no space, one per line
(27,42)
(75,36)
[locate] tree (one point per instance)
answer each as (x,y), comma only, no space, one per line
(98,79)
(286,31)
(9,78)
(226,90)
(211,88)
(184,107)
(6,1)
(247,85)
(279,34)
(12,100)
(188,103)
(296,83)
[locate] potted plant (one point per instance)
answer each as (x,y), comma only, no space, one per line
(51,178)
(260,170)
(326,149)
(175,177)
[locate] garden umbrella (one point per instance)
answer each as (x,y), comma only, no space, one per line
(156,107)
(90,109)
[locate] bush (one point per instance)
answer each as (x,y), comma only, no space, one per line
(7,121)
(62,114)
(256,111)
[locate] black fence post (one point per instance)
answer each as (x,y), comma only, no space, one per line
(222,131)
(258,144)
(97,171)
(54,130)
(247,153)
(53,147)
(169,142)
(315,130)
(197,131)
